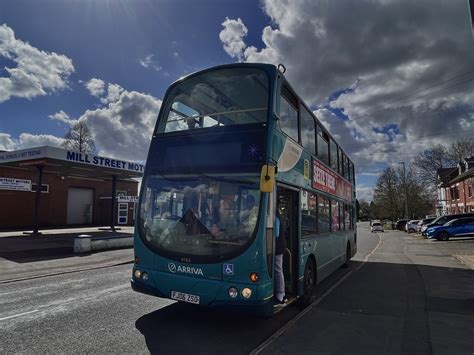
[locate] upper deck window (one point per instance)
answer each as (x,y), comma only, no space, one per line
(217,98)
(288,113)
(308,133)
(323,145)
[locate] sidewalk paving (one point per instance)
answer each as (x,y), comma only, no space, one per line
(24,256)
(413,299)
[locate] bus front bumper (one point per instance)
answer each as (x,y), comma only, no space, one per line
(218,300)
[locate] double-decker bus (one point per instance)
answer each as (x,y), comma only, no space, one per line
(229,143)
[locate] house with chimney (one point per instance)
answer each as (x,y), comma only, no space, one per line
(456,188)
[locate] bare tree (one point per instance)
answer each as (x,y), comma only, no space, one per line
(429,161)
(461,149)
(79,139)
(387,201)
(389,195)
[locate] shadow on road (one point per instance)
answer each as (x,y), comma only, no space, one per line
(183,329)
(187,329)
(25,249)
(382,307)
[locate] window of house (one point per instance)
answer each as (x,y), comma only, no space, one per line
(288,114)
(308,133)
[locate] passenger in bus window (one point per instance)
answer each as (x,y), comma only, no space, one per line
(191,122)
(249,214)
(216,231)
(280,247)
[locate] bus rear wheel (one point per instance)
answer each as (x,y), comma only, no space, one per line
(348,255)
(309,284)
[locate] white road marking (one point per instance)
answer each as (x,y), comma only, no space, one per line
(19,314)
(288,325)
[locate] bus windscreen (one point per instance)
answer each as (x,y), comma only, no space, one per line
(217,98)
(200,216)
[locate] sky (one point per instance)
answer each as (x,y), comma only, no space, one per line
(388,78)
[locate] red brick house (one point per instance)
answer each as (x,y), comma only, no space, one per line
(459,188)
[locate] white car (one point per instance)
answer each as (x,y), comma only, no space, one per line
(376,227)
(412,226)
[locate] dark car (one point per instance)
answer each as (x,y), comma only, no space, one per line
(401,223)
(462,227)
(445,219)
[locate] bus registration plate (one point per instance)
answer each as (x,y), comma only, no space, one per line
(185,297)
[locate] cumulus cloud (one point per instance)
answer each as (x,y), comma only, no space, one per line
(388,78)
(27,140)
(123,128)
(95,86)
(36,72)
(232,37)
(6,142)
(150,63)
(123,125)
(63,117)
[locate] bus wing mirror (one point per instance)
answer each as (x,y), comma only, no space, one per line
(267,178)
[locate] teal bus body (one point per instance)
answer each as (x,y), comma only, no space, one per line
(203,227)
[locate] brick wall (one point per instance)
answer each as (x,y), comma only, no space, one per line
(460,196)
(17,207)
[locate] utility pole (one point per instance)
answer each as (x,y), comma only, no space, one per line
(405,186)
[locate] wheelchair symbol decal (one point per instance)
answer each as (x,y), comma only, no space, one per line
(228,269)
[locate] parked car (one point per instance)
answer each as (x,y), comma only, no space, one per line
(411,226)
(461,227)
(401,223)
(423,224)
(376,227)
(445,219)
(374,221)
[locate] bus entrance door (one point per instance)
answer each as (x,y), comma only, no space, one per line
(288,208)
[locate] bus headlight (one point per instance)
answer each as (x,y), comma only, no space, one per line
(145,276)
(233,292)
(246,292)
(137,273)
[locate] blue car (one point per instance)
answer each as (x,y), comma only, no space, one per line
(461,227)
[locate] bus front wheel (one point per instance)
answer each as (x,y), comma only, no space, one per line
(309,284)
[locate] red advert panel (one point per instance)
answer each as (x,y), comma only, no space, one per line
(326,180)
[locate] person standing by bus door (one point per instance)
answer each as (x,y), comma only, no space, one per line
(280,248)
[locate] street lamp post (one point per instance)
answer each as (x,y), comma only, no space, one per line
(405,186)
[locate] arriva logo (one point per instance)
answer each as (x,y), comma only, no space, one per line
(185,269)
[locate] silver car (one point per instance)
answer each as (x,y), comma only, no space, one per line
(376,227)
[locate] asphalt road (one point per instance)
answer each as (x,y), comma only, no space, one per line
(96,311)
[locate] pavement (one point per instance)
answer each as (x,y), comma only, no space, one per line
(25,256)
(421,301)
